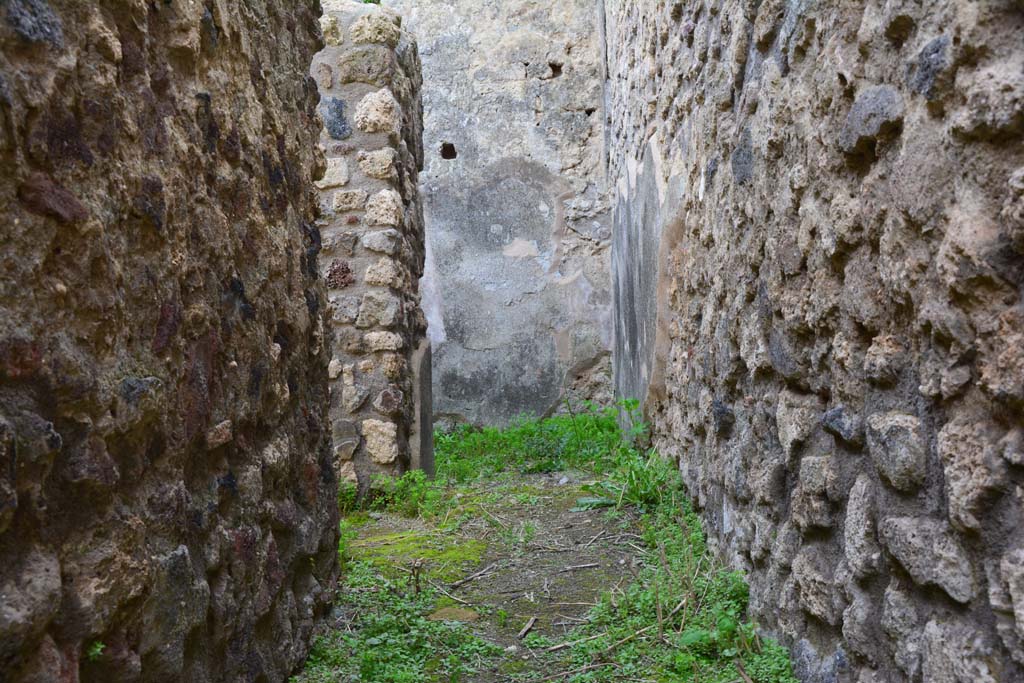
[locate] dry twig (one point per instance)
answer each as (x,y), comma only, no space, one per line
(591,541)
(526,629)
(583,669)
(447,594)
(473,577)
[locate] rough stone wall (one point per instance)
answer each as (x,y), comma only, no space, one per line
(819,262)
(373,241)
(167,502)
(517,289)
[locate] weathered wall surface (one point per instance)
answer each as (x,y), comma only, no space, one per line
(373,241)
(517,289)
(167,502)
(824,205)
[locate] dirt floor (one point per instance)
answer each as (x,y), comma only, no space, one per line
(524,563)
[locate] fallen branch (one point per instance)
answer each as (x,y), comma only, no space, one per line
(574,567)
(447,594)
(575,619)
(526,629)
(562,646)
(743,672)
(473,577)
(591,541)
(495,518)
(583,669)
(630,637)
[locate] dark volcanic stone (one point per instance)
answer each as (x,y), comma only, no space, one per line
(930,63)
(35,22)
(41,195)
(844,424)
(723,416)
(710,170)
(743,159)
(150,203)
(134,388)
(877,111)
(333,112)
(780,353)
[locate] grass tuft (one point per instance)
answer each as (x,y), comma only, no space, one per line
(388,637)
(683,618)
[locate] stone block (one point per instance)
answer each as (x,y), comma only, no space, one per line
(353,396)
(383,241)
(384,341)
(379,164)
(390,401)
(34,21)
(324,76)
(384,273)
(339,274)
(818,476)
(796,416)
(347,472)
(372,64)
(349,200)
(901,622)
(219,435)
(379,308)
(336,123)
(877,111)
(859,622)
(1011,573)
(379,112)
(897,448)
(336,175)
(884,360)
(344,309)
(331,29)
(376,28)
(972,467)
(31,591)
(956,652)
(927,73)
(814,581)
(859,538)
(931,554)
(381,441)
(385,208)
(841,421)
(344,450)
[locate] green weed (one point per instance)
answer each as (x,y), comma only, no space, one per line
(586,438)
(95,650)
(684,617)
(411,495)
(390,638)
(348,498)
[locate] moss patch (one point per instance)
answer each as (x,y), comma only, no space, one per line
(445,556)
